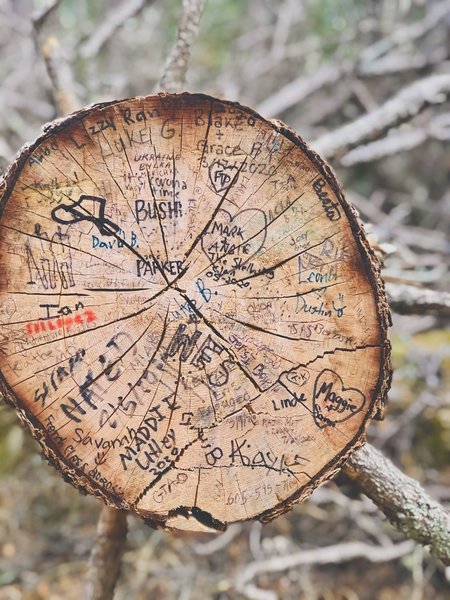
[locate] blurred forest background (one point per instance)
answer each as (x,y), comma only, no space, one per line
(317,65)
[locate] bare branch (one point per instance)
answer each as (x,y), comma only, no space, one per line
(372,62)
(60,74)
(398,141)
(252,69)
(297,90)
(40,18)
(174,76)
(400,62)
(405,34)
(427,398)
(218,543)
(56,62)
(412,300)
(390,229)
(402,107)
(402,499)
(335,554)
(111,23)
(106,555)
(290,12)
(331,104)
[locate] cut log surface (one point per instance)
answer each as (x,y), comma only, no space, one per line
(192,322)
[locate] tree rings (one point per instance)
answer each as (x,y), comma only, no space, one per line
(193,325)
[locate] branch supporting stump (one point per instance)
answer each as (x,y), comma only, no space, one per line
(106,556)
(402,499)
(193,323)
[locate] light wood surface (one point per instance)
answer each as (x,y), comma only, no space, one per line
(192,322)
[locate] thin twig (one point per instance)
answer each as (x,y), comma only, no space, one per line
(297,90)
(406,420)
(402,499)
(289,13)
(399,140)
(106,555)
(41,17)
(56,62)
(398,63)
(218,543)
(112,21)
(402,107)
(174,76)
(407,33)
(335,554)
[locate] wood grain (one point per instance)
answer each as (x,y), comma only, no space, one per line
(192,322)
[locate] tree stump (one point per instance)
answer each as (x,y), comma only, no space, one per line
(193,323)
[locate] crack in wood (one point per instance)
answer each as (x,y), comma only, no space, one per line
(253,321)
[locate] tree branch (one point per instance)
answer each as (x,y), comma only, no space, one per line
(174,76)
(60,74)
(42,16)
(56,62)
(399,140)
(411,300)
(395,142)
(111,23)
(335,554)
(402,499)
(106,555)
(402,107)
(405,34)
(299,89)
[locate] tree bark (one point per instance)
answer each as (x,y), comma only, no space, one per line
(402,499)
(174,76)
(106,555)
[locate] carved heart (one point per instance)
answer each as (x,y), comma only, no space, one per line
(221,175)
(240,236)
(298,376)
(332,402)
